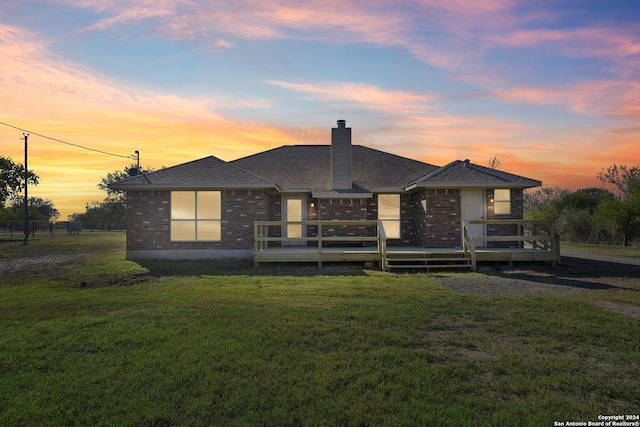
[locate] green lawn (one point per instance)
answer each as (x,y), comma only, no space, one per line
(82,343)
(614,250)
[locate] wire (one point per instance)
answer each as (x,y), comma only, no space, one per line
(68,143)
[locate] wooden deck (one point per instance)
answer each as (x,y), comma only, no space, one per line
(325,246)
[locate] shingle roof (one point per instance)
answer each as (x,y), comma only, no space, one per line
(462,173)
(209,172)
(309,167)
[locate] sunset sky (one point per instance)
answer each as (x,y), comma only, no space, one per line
(550,87)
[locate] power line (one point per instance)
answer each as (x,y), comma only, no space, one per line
(69,143)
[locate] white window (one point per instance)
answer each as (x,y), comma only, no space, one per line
(195,215)
(502,202)
(389,214)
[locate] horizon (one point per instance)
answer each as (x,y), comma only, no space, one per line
(552,90)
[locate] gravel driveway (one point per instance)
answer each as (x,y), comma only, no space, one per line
(578,272)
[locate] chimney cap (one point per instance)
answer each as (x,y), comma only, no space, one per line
(342,123)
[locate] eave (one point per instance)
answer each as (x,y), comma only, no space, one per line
(156,187)
(462,184)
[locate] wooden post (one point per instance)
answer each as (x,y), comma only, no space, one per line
(521,242)
(555,243)
(320,245)
(26,186)
(473,255)
(256,242)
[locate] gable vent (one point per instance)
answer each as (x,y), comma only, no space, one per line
(341,156)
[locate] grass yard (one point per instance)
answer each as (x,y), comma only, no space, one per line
(626,251)
(88,338)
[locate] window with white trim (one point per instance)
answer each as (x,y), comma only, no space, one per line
(196,216)
(389,214)
(502,201)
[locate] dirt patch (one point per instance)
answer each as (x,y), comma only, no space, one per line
(121,279)
(47,266)
(532,281)
(620,307)
(44,262)
(578,272)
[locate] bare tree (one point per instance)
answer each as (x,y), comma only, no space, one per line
(493,162)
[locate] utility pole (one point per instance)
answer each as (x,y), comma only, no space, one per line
(26,191)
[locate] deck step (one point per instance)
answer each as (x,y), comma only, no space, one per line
(427,260)
(433,259)
(428,266)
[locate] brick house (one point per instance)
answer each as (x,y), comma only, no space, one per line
(207,208)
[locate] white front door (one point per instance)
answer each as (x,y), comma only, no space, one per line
(294,209)
(472,201)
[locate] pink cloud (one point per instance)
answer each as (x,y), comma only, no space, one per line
(364,95)
(418,121)
(595,42)
(44,93)
(609,97)
(616,98)
(128,16)
(465,31)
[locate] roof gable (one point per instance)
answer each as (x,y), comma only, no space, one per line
(463,173)
(309,167)
(208,172)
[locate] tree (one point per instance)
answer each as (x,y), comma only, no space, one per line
(12,178)
(493,162)
(573,212)
(588,198)
(577,218)
(622,178)
(39,208)
(621,218)
(545,203)
(102,215)
(111,177)
(110,213)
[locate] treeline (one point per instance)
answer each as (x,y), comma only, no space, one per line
(11,199)
(106,215)
(109,214)
(39,209)
(610,214)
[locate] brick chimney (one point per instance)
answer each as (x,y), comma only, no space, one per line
(341,157)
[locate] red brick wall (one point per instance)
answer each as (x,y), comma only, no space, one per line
(367,210)
(429,218)
(275,208)
(517,212)
(437,218)
(149,213)
(345,210)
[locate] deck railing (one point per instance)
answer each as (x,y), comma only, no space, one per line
(469,243)
(338,241)
(382,244)
(321,235)
(538,237)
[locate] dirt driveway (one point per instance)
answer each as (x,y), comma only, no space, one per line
(577,272)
